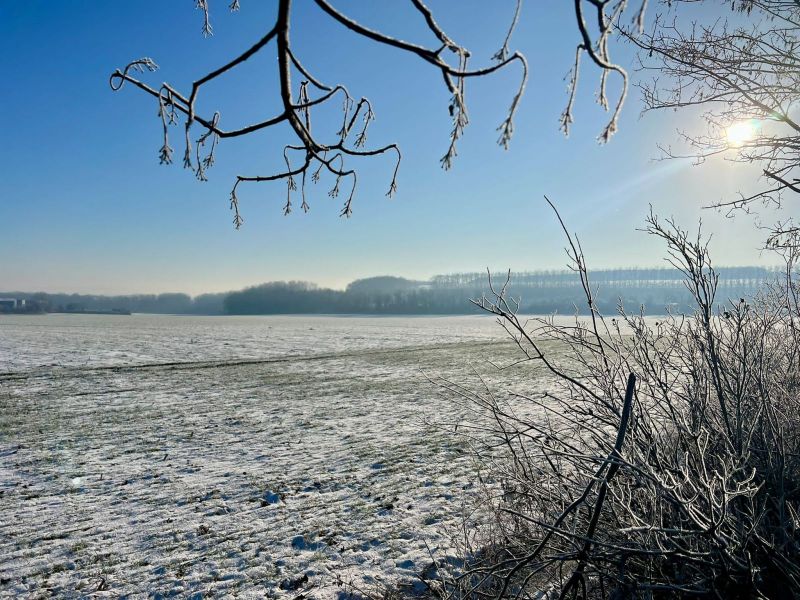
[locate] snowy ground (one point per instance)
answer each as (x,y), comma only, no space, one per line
(167,457)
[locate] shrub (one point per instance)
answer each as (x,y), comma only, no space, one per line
(686,485)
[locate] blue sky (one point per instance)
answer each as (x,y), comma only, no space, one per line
(86,207)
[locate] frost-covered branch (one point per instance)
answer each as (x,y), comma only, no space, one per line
(317,150)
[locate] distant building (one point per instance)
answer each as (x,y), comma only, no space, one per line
(11,304)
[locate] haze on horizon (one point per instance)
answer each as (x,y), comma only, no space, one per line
(108,219)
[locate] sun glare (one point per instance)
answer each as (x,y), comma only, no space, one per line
(740,133)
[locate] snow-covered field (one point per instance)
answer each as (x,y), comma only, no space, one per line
(230,456)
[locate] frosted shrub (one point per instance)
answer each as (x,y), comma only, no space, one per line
(690,486)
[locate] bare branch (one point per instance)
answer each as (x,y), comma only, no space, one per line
(297,113)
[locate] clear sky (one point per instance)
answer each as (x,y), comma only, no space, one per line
(86,207)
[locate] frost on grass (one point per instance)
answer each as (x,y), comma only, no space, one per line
(251,457)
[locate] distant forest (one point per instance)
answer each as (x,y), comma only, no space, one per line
(539,292)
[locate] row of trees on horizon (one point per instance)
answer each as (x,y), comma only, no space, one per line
(541,292)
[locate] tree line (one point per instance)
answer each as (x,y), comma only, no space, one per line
(540,292)
(172,303)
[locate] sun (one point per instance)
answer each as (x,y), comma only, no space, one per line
(740,133)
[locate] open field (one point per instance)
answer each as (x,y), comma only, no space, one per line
(159,473)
